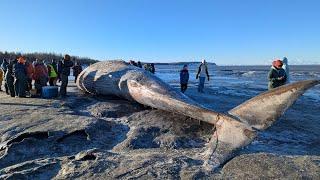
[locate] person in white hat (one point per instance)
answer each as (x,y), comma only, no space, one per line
(202,74)
(285,67)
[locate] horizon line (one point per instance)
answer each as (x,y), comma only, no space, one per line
(156,62)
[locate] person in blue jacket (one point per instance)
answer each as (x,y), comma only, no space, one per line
(184,78)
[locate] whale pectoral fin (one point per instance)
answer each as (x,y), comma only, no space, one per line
(261,111)
(230,135)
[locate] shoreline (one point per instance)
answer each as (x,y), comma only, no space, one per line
(84,136)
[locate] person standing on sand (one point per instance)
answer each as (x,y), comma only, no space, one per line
(276,76)
(52,74)
(184,78)
(153,69)
(9,77)
(1,78)
(139,64)
(132,62)
(20,77)
(4,67)
(30,71)
(77,68)
(64,71)
(285,67)
(202,74)
(40,76)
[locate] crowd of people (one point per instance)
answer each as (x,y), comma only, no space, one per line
(278,75)
(148,66)
(202,74)
(21,75)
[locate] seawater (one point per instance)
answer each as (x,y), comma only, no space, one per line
(240,80)
(297,132)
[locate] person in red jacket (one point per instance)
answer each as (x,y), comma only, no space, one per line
(40,76)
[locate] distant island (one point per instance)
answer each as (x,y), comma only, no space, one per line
(182,63)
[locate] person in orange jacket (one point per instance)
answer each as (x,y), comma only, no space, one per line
(40,76)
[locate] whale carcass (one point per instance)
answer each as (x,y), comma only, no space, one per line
(233,130)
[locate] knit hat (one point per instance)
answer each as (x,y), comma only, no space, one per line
(277,63)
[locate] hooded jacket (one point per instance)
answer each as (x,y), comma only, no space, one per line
(20,71)
(184,76)
(273,76)
(40,70)
(64,67)
(203,70)
(77,69)
(9,73)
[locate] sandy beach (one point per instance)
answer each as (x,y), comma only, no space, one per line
(88,137)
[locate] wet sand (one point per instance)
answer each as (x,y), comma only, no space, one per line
(88,137)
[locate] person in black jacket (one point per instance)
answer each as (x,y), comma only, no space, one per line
(20,77)
(139,64)
(4,67)
(277,76)
(9,77)
(77,68)
(153,69)
(64,71)
(184,78)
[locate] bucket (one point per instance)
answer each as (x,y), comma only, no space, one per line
(50,91)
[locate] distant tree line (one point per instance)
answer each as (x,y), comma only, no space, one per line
(46,57)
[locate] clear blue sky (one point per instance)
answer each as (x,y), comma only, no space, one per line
(221,31)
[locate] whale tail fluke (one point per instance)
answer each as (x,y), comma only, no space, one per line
(261,111)
(257,113)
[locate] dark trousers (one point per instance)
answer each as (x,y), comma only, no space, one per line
(20,87)
(6,87)
(9,82)
(39,83)
(29,84)
(64,84)
(184,87)
(201,84)
(75,78)
(52,81)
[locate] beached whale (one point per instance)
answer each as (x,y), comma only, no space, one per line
(233,130)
